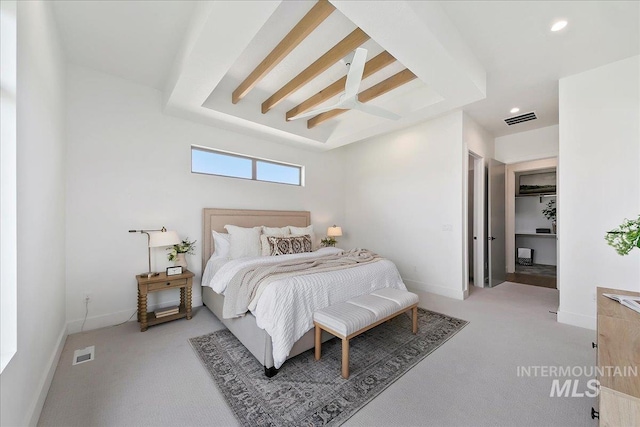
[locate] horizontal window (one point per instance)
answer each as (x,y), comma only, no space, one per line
(214,162)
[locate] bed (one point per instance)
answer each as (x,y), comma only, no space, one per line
(245,328)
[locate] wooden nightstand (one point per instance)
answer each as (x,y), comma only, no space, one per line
(158,283)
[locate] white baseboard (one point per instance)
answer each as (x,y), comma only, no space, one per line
(575,319)
(45,382)
(110,319)
(438,290)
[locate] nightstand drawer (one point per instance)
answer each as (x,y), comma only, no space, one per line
(167,284)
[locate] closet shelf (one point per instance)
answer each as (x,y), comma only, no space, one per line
(537,234)
(526,196)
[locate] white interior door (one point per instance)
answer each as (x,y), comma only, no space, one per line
(496,223)
(480,279)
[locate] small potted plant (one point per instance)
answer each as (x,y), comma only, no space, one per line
(178,252)
(549,212)
(626,237)
(328,241)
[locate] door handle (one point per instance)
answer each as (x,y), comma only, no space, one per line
(475,238)
(492,238)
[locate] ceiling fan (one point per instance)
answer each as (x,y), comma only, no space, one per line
(349,99)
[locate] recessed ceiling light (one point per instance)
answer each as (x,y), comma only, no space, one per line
(515,110)
(558,26)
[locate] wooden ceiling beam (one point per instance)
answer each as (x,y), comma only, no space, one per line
(318,13)
(393,82)
(372,66)
(333,55)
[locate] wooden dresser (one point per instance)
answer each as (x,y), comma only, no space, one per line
(618,346)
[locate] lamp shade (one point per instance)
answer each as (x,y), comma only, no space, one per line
(334,231)
(163,238)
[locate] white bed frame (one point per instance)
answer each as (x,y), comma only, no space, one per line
(256,340)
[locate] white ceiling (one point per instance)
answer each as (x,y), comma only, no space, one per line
(197,53)
(135,40)
(524,60)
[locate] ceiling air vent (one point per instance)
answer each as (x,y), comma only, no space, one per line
(520,119)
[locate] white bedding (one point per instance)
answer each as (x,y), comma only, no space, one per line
(285,308)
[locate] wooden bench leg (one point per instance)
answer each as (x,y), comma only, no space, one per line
(415,319)
(345,358)
(318,342)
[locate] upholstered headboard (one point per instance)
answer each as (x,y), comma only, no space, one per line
(216,219)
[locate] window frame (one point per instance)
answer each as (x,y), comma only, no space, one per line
(254,166)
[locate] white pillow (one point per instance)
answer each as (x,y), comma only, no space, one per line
(301,231)
(276,231)
(245,242)
(221,244)
(265,248)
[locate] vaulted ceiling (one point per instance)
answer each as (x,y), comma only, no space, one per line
(250,65)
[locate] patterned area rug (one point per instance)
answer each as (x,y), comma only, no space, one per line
(313,393)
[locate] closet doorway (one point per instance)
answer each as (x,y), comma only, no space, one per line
(532,223)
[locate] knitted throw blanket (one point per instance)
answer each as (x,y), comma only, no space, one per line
(243,287)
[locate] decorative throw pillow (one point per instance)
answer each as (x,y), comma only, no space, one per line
(221,244)
(288,245)
(245,242)
(302,231)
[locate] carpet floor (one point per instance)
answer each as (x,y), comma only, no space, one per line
(153,379)
(306,392)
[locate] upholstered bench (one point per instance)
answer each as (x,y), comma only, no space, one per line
(355,316)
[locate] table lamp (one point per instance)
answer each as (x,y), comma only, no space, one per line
(157,239)
(334,231)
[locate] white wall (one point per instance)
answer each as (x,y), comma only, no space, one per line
(599,184)
(477,139)
(530,145)
(8,187)
(529,213)
(130,168)
(404,200)
(41,211)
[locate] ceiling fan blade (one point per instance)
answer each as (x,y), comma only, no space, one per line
(354,76)
(317,111)
(376,111)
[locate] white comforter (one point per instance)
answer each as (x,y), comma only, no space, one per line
(285,308)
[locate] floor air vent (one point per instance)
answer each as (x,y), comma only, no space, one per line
(521,118)
(84,355)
